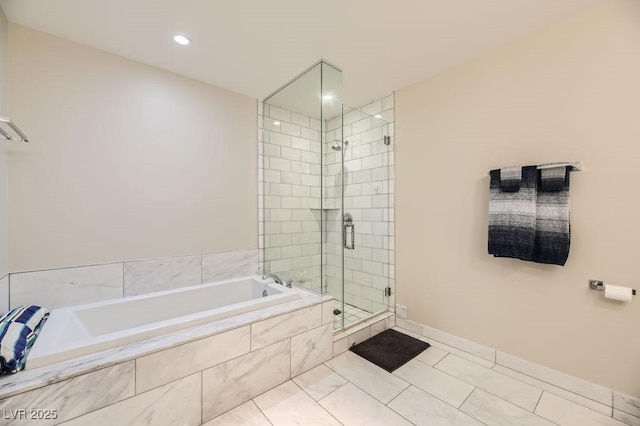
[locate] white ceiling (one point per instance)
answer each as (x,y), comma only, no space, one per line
(255,46)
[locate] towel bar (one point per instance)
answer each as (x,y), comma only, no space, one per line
(576,166)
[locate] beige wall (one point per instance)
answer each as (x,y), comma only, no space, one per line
(126,161)
(4,224)
(569,92)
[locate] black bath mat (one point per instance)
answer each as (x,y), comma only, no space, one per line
(390,349)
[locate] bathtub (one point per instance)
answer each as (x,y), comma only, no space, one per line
(84,329)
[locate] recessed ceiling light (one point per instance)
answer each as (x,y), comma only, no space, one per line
(377,116)
(276,123)
(181,39)
(327,97)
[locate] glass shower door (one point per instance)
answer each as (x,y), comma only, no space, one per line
(367,203)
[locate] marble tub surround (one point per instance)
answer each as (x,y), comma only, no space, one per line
(4,294)
(202,354)
(520,383)
(231,264)
(235,382)
(76,396)
(148,276)
(176,403)
(30,379)
(58,288)
(143,384)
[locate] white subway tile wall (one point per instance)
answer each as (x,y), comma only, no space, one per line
(289,182)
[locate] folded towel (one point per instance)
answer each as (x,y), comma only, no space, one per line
(512,216)
(510,178)
(552,178)
(19,329)
(553,230)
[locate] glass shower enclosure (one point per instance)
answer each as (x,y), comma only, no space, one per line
(325,205)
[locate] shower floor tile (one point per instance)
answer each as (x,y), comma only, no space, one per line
(440,390)
(351,314)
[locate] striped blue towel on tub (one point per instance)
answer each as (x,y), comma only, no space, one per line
(19,329)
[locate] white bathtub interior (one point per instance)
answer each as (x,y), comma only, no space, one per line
(80,330)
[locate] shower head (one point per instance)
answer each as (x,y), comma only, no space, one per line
(337,146)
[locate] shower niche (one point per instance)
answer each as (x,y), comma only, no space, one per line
(325,193)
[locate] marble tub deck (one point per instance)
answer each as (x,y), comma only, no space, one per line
(31,379)
(437,388)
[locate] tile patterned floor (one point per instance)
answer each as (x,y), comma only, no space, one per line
(351,314)
(437,388)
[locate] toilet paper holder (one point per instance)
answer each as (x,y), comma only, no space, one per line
(599,285)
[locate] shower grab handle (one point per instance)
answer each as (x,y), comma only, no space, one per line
(348,225)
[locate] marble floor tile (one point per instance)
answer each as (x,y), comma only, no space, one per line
(441,385)
(247,414)
(353,407)
(423,409)
(287,404)
(431,356)
(589,403)
(376,381)
(494,411)
(567,413)
(514,391)
(626,418)
(320,381)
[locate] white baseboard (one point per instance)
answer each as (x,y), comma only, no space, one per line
(596,397)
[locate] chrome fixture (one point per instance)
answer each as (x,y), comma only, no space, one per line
(337,145)
(277,279)
(387,140)
(18,134)
(349,230)
(273,277)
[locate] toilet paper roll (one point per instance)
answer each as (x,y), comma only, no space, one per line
(614,292)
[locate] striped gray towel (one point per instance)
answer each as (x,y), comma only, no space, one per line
(510,178)
(512,216)
(553,230)
(552,178)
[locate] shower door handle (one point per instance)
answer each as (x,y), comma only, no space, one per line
(349,232)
